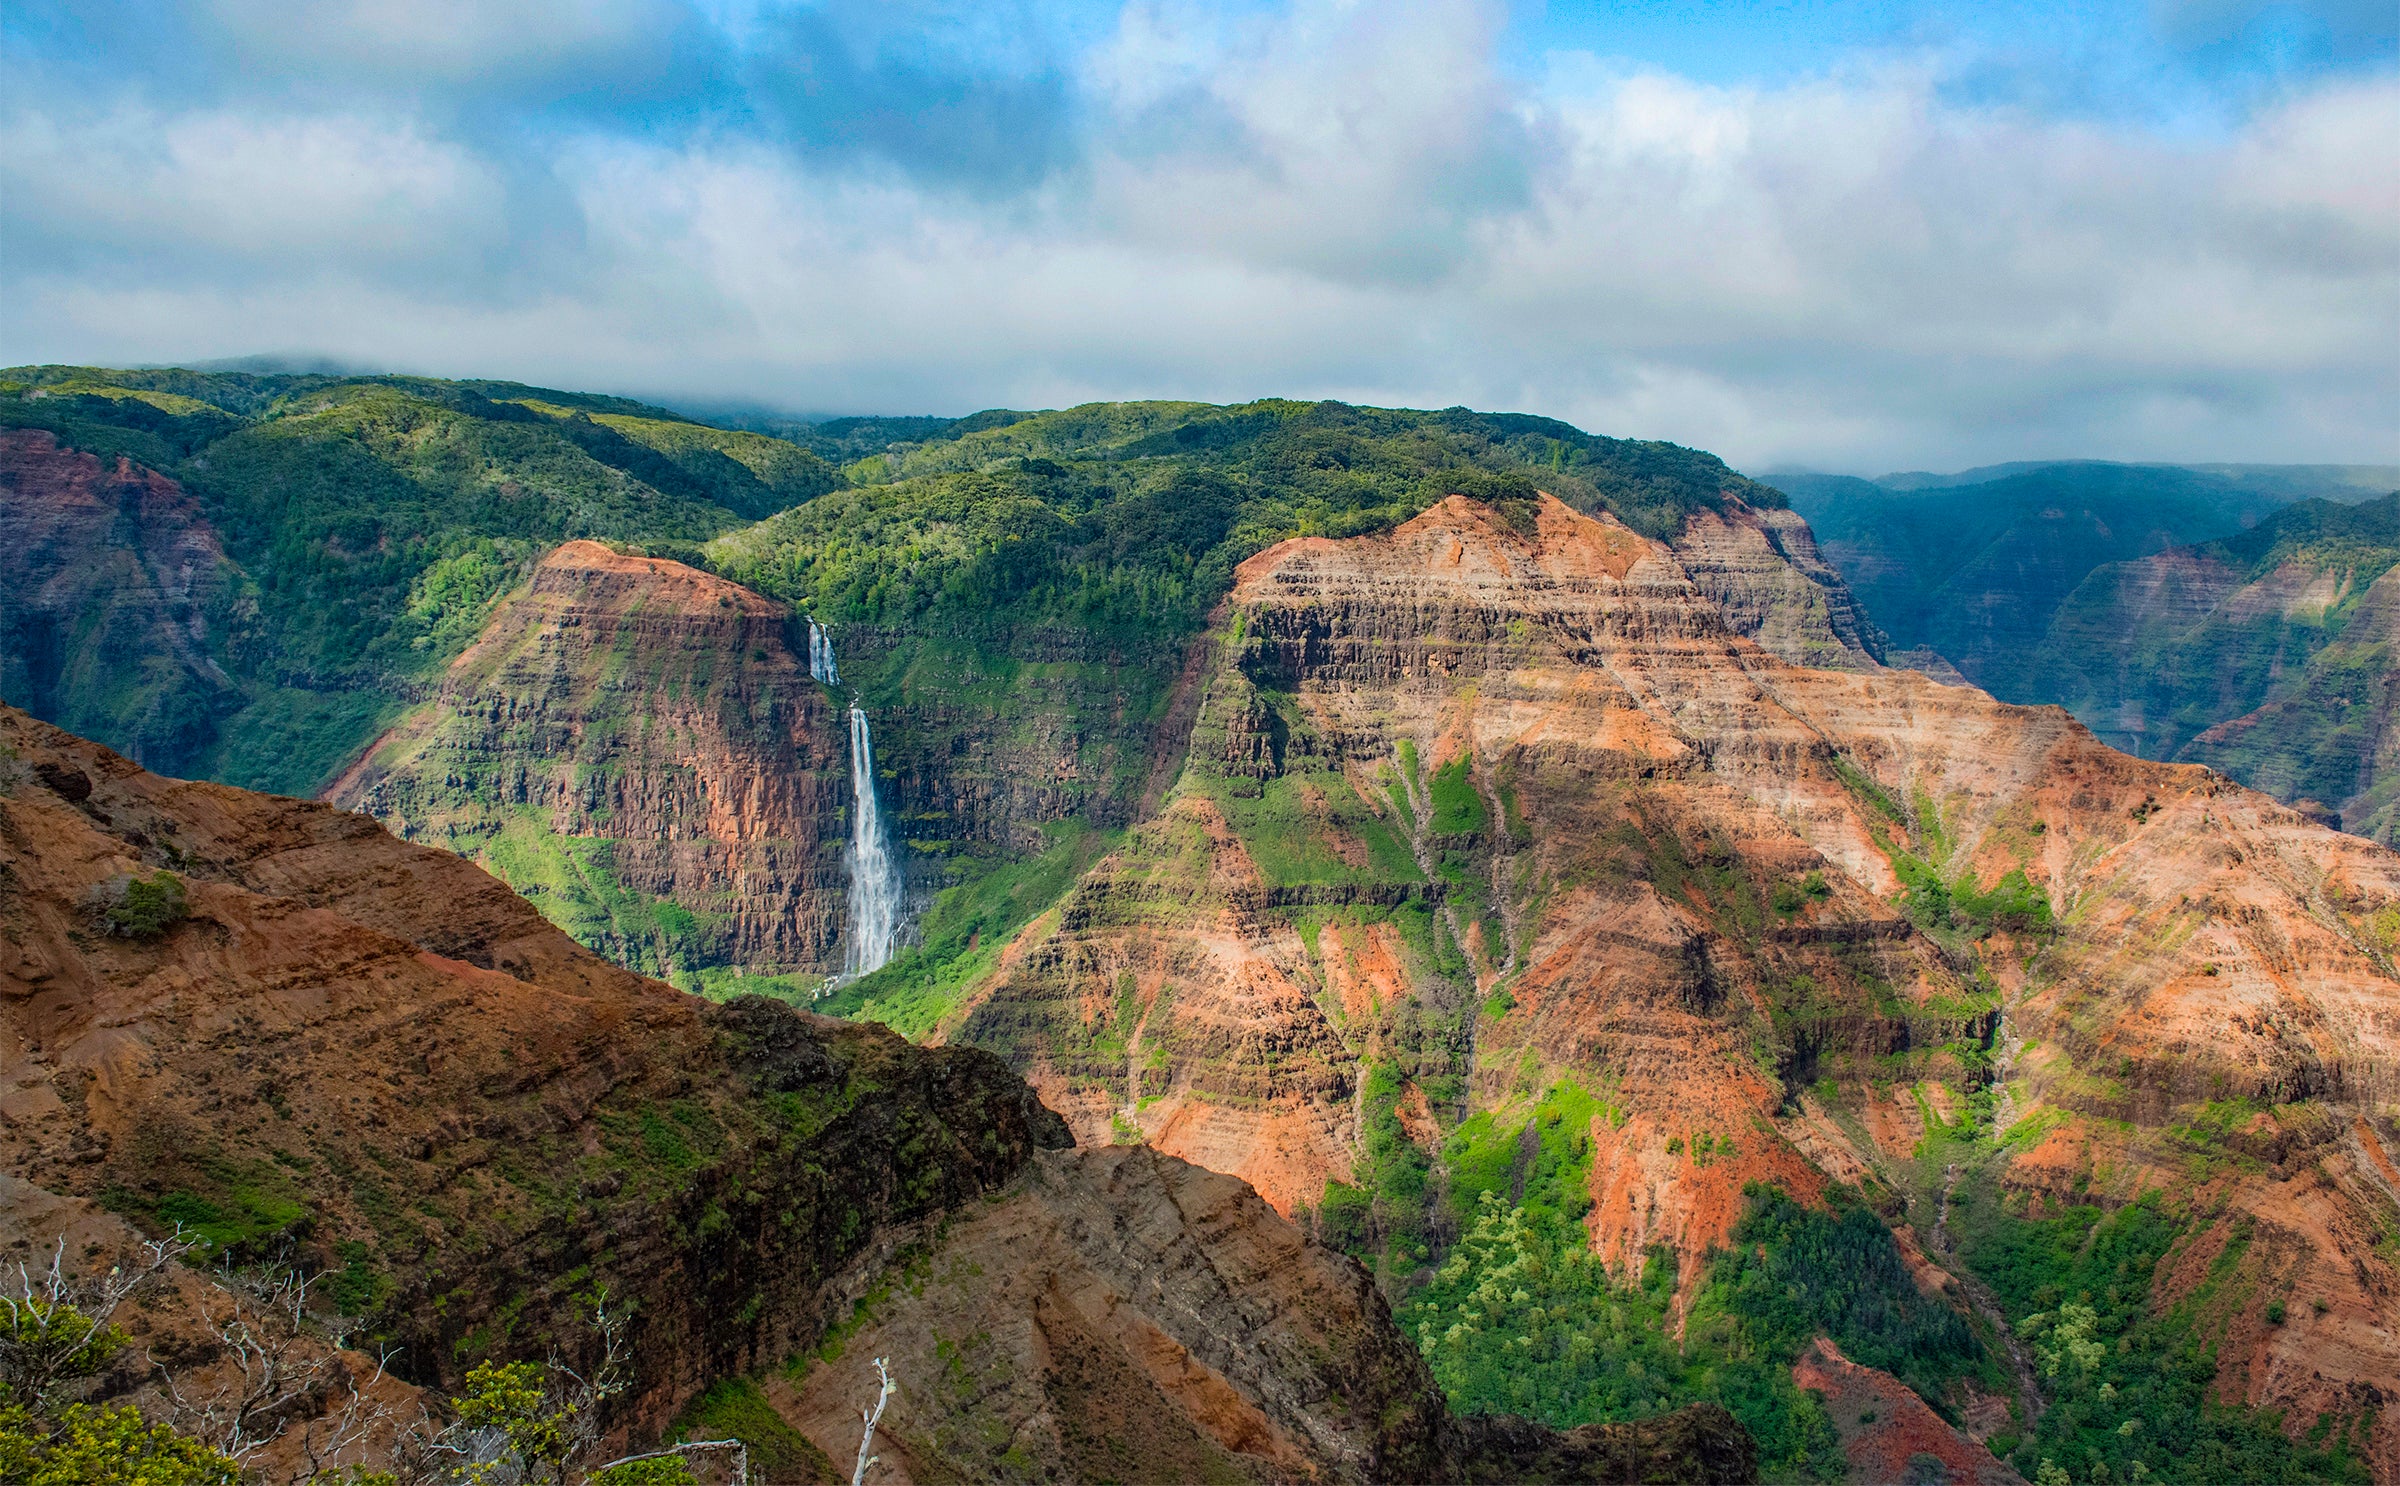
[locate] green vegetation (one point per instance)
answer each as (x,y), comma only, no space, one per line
(1457,807)
(735,1408)
(146,907)
(1521,1317)
(961,936)
(573,881)
(2131,1384)
(657,1470)
(2012,904)
(1382,1221)
(238,1210)
(106,1446)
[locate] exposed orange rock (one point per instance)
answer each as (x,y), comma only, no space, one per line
(1887,1431)
(1645,775)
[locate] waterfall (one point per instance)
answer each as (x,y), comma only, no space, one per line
(874,876)
(820,656)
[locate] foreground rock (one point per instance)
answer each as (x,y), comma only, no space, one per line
(1123,1315)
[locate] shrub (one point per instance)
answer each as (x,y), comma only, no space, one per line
(105,1447)
(137,907)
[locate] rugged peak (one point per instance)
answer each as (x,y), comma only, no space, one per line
(598,578)
(637,746)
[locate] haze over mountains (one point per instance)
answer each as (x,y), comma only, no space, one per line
(2173,610)
(1607,984)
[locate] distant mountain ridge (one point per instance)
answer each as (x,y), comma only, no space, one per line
(2267,654)
(2111,590)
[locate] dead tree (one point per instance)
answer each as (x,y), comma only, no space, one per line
(55,1329)
(280,1372)
(866,1441)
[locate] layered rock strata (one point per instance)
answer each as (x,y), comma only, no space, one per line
(1501,799)
(1762,570)
(637,746)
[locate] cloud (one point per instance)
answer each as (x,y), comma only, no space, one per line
(961,208)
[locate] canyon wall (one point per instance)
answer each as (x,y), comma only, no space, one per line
(110,578)
(1501,799)
(637,746)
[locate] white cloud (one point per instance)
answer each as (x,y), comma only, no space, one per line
(1329,200)
(277,192)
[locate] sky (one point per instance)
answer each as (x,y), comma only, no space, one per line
(1848,234)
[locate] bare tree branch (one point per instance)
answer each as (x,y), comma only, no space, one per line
(866,1441)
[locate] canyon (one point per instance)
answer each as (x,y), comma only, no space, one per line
(1400,927)
(1500,800)
(377,1056)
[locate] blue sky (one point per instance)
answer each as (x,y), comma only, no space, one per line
(1848,233)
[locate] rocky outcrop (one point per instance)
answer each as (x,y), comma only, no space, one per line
(1887,1432)
(1164,988)
(636,746)
(110,578)
(1123,1315)
(315,1038)
(1762,570)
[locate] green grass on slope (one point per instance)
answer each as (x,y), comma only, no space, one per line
(573,881)
(960,938)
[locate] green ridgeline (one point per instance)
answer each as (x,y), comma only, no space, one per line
(1007,588)
(371,524)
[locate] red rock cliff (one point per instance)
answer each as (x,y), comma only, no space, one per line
(657,718)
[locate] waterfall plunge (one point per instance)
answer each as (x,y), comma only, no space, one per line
(874,876)
(820,656)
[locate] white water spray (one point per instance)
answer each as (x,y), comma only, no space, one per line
(820,656)
(874,876)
